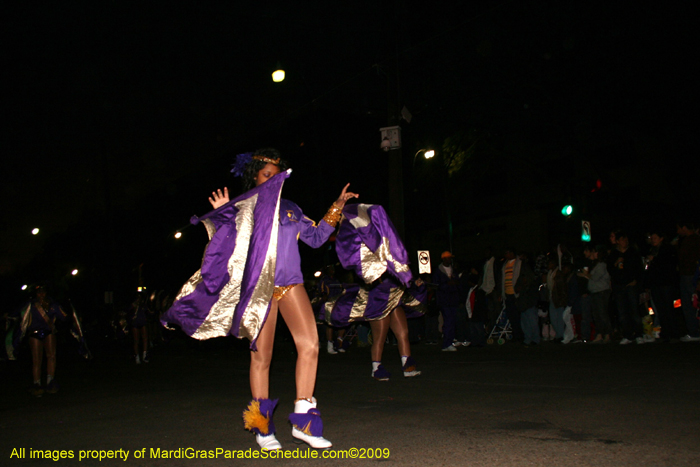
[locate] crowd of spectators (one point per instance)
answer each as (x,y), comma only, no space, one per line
(624,291)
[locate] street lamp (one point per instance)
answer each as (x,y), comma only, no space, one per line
(35,231)
(278,76)
(428,154)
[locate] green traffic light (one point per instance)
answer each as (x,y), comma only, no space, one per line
(567,210)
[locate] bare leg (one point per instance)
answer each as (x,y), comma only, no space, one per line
(380,328)
(399,326)
(144,338)
(260,360)
(296,310)
(50,349)
(136,336)
(35,345)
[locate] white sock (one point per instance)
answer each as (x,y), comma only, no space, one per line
(37,382)
(403,360)
(375,365)
(48,379)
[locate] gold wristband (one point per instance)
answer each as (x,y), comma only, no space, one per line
(333,215)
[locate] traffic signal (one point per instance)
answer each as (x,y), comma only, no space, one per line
(567,210)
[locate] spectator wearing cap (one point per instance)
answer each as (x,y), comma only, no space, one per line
(448,299)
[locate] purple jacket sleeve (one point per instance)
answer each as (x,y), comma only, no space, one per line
(314,235)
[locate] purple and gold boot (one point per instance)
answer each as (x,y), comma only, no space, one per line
(307,425)
(257,417)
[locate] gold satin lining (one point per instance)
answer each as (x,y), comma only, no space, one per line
(360,305)
(211,229)
(362,219)
(254,315)
(410,301)
(372,266)
(190,285)
(329,305)
(24,325)
(196,278)
(218,321)
(374,263)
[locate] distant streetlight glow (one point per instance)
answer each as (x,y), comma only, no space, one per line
(278,76)
(74,272)
(317,274)
(35,231)
(24,287)
(427,153)
(178,234)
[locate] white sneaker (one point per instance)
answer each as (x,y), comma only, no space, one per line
(268,443)
(316,442)
(689,338)
(625,341)
(639,340)
(138,360)
(451,348)
(649,338)
(330,349)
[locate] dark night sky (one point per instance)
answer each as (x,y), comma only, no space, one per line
(121,117)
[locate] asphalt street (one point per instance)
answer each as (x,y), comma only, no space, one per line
(559,405)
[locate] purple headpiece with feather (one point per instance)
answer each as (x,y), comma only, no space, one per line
(242,160)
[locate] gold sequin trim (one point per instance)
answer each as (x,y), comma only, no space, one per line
(333,215)
(279,292)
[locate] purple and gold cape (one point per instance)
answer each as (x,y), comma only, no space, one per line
(368,243)
(231,293)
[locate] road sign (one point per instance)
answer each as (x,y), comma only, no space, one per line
(585,231)
(424,262)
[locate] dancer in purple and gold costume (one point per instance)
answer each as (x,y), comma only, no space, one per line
(138,315)
(368,243)
(38,321)
(252,269)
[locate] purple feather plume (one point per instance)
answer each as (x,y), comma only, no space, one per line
(242,160)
